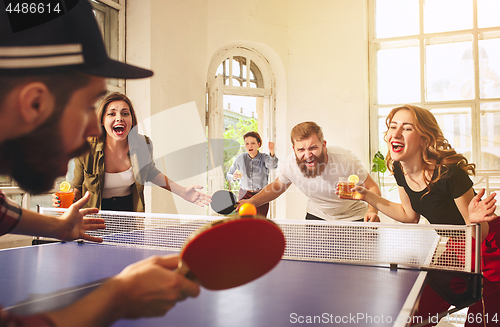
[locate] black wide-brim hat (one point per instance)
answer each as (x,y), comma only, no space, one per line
(68,41)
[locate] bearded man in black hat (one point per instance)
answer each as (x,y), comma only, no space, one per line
(51,75)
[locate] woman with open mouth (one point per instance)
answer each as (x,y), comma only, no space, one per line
(120,162)
(433,182)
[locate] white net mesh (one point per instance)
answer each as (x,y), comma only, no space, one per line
(407,245)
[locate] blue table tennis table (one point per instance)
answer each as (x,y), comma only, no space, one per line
(296,292)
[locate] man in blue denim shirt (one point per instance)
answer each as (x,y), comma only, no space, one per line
(252,168)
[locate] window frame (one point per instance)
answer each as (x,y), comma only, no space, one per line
(12,189)
(109,32)
(217,88)
(477,35)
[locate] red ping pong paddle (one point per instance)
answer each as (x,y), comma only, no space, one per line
(223,202)
(231,252)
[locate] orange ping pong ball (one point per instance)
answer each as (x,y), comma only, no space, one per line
(247,209)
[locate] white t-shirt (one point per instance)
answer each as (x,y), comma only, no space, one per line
(118,184)
(323,202)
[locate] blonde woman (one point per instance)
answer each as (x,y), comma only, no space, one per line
(433,181)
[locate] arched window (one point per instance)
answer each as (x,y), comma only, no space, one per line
(240,86)
(236,72)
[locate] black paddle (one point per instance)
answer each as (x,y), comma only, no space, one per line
(224,202)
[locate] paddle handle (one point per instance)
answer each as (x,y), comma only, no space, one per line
(184,270)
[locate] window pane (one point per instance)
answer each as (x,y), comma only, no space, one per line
(396,18)
(490,136)
(17,198)
(236,68)
(100,17)
(6,181)
(240,117)
(456,126)
(220,70)
(382,144)
(398,75)
(43,200)
(226,71)
(107,19)
(236,82)
(386,181)
(255,76)
(489,68)
(449,71)
(487,13)
(447,15)
(243,105)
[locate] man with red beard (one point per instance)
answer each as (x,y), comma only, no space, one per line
(316,171)
(51,76)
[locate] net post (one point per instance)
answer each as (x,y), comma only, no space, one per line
(36,239)
(469,238)
(477,262)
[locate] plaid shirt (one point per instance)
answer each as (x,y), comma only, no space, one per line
(10,213)
(8,320)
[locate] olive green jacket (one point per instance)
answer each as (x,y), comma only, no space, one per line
(89,170)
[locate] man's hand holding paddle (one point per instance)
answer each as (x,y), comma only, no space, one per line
(154,277)
(147,288)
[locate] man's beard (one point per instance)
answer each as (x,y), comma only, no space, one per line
(35,160)
(317,170)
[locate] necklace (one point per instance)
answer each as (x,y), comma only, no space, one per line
(414,181)
(411,178)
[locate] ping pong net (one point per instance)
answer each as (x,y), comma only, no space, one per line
(420,246)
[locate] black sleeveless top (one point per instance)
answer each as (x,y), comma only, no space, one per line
(438,206)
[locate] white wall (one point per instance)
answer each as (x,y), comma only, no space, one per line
(317,49)
(327,76)
(173,35)
(138,45)
(262,25)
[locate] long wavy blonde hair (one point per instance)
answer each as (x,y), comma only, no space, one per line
(436,150)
